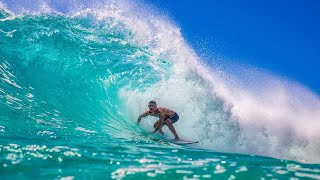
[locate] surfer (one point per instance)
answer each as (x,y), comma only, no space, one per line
(166,117)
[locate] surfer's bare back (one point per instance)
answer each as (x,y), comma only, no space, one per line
(166,117)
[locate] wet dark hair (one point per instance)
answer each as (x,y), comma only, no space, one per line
(152,102)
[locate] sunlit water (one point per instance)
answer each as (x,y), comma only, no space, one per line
(74,80)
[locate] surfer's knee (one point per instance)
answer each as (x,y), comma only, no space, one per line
(168,121)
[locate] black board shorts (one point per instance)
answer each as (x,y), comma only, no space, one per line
(174,117)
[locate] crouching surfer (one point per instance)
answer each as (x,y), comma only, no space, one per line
(166,117)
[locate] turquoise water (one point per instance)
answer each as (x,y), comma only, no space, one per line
(72,85)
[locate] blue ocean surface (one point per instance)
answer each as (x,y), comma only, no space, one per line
(74,80)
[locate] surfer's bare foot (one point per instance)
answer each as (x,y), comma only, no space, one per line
(177,139)
(161,132)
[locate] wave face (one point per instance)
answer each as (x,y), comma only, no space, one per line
(75,76)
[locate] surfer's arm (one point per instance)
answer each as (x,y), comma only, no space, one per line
(145,114)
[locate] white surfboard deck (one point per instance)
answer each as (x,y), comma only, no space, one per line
(182,142)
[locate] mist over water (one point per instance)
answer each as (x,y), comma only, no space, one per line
(75,76)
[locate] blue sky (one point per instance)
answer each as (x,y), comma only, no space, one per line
(280,36)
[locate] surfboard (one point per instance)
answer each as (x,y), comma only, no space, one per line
(183,142)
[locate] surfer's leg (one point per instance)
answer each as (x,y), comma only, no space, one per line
(161,132)
(168,122)
(156,125)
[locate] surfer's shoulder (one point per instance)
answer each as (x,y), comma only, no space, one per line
(165,110)
(162,110)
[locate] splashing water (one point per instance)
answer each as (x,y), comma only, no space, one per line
(75,76)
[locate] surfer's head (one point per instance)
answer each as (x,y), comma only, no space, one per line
(152,106)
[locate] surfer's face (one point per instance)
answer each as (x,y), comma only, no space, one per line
(152,107)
